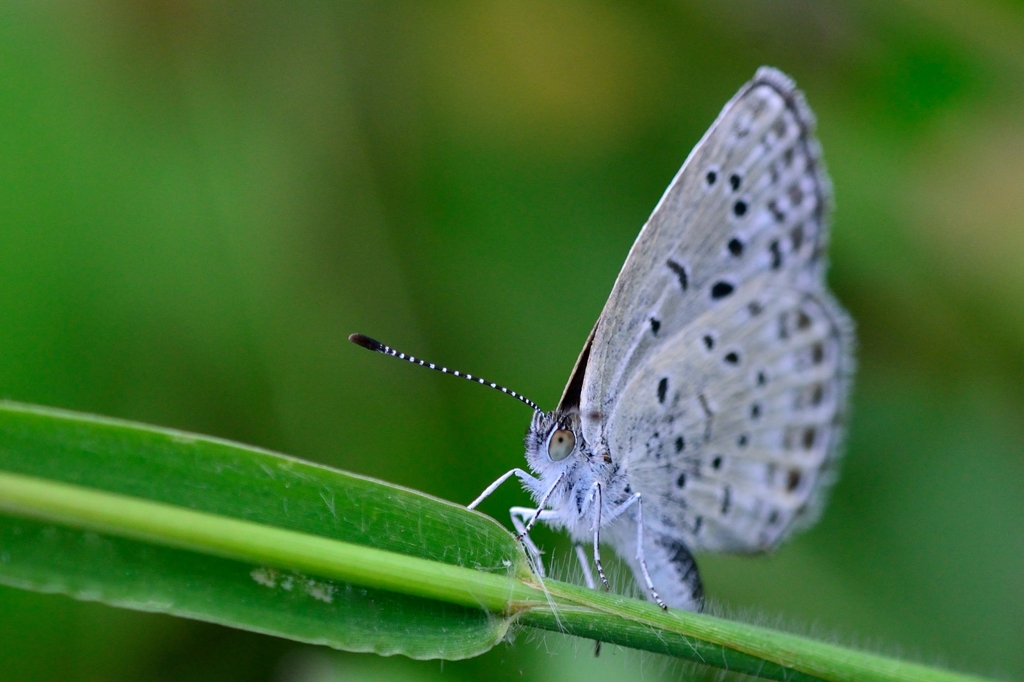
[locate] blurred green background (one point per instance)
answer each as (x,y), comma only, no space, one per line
(199,201)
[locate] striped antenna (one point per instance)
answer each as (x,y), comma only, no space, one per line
(374,345)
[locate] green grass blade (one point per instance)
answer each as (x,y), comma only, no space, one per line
(243,484)
(142,576)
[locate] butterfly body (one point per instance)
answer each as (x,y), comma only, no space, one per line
(570,486)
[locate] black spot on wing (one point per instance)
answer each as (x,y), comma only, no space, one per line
(797,236)
(776,252)
(662,389)
(817,353)
(721,289)
(680,271)
(803,320)
(793,480)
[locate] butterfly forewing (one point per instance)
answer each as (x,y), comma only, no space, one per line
(732,251)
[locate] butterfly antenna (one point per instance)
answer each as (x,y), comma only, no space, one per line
(374,345)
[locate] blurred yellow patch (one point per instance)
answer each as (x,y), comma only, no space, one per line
(565,77)
(968,199)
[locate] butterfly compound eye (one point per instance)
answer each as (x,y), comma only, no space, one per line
(561,444)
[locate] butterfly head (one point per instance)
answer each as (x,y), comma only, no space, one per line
(555,441)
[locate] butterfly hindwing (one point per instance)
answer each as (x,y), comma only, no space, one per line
(731,429)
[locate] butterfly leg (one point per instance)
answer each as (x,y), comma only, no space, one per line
(618,511)
(595,500)
(524,476)
(519,515)
(640,553)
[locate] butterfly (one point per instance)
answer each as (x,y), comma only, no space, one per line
(706,410)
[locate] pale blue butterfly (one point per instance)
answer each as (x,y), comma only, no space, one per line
(707,409)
